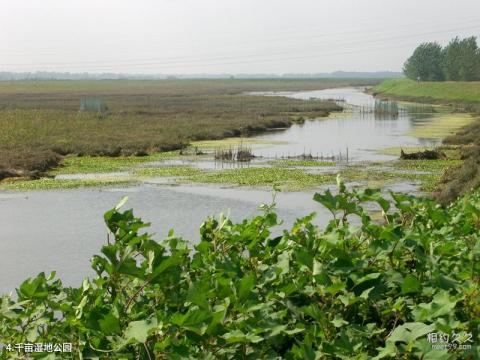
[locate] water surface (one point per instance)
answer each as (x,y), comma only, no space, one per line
(360,131)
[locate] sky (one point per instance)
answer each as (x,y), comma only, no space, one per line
(225,36)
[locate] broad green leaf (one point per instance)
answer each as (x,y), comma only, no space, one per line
(409,332)
(109,324)
(246,285)
(237,336)
(410,285)
(139,330)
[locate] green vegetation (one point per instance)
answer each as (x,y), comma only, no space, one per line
(440,92)
(284,178)
(106,164)
(40,122)
(366,291)
(167,171)
(285,174)
(458,61)
(426,63)
(301,163)
(428,173)
(426,165)
(49,183)
(381,177)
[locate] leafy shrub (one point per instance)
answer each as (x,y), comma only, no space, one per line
(354,290)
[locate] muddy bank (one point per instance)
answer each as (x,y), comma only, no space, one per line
(463,178)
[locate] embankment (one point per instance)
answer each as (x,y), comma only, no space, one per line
(461,179)
(465,95)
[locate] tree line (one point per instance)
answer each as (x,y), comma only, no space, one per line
(458,61)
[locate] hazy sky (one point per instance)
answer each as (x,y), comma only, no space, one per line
(224,36)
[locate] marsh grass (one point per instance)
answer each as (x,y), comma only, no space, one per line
(428,173)
(301,163)
(426,165)
(58,184)
(105,164)
(167,171)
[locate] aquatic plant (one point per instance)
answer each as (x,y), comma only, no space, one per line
(50,183)
(166,171)
(285,178)
(366,291)
(106,164)
(301,163)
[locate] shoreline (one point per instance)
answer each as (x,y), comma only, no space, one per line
(461,96)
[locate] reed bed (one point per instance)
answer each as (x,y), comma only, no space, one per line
(240,153)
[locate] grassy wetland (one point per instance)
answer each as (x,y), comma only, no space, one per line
(40,122)
(171,129)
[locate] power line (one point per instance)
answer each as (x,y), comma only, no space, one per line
(179,61)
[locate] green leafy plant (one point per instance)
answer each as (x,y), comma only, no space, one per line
(357,289)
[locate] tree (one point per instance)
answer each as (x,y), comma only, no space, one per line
(426,63)
(461,60)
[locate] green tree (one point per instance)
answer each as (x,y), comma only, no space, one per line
(461,60)
(426,63)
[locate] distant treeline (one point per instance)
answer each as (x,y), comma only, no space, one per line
(52,75)
(458,61)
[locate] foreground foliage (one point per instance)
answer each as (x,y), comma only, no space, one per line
(355,290)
